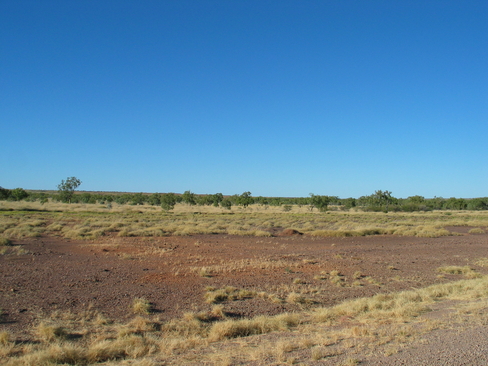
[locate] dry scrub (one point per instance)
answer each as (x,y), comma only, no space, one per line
(30,219)
(382,322)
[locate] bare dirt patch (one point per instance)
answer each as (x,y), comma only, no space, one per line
(174,273)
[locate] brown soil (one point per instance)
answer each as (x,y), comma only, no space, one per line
(108,273)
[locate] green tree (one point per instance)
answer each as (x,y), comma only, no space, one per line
(455,204)
(320,202)
(18,194)
(137,199)
(226,203)
(67,188)
(189,198)
(4,193)
(245,199)
(383,198)
(154,199)
(217,198)
(478,204)
(349,203)
(168,201)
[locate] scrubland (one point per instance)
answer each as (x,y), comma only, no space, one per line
(308,330)
(88,221)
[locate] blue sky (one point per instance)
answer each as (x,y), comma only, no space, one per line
(280,98)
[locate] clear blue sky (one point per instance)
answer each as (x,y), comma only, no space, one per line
(280,98)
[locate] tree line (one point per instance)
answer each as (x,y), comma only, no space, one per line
(379,201)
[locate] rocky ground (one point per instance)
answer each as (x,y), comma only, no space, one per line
(174,273)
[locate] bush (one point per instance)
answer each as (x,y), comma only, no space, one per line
(4,241)
(226,203)
(168,201)
(18,194)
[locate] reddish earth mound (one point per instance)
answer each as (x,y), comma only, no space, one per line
(290,232)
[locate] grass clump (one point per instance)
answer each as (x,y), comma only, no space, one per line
(467,271)
(228,293)
(141,306)
(50,333)
(295,298)
(476,230)
(336,278)
(246,327)
(4,241)
(4,338)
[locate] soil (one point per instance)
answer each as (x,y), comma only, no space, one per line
(108,273)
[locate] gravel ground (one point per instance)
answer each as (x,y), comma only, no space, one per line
(453,347)
(59,274)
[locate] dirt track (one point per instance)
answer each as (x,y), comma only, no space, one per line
(60,274)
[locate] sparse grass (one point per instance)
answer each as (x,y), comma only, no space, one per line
(467,271)
(73,340)
(336,278)
(384,320)
(372,281)
(245,265)
(204,271)
(357,275)
(482,262)
(295,298)
(229,293)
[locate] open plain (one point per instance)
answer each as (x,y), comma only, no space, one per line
(170,293)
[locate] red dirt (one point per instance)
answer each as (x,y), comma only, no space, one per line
(108,273)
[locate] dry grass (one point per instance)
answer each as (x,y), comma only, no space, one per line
(141,306)
(86,338)
(244,265)
(337,278)
(467,271)
(49,333)
(246,327)
(383,322)
(482,262)
(4,338)
(476,231)
(229,293)
(90,221)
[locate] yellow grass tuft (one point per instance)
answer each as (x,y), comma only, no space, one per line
(467,271)
(4,338)
(228,293)
(476,230)
(141,306)
(246,327)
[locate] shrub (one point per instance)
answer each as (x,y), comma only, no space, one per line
(4,241)
(168,201)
